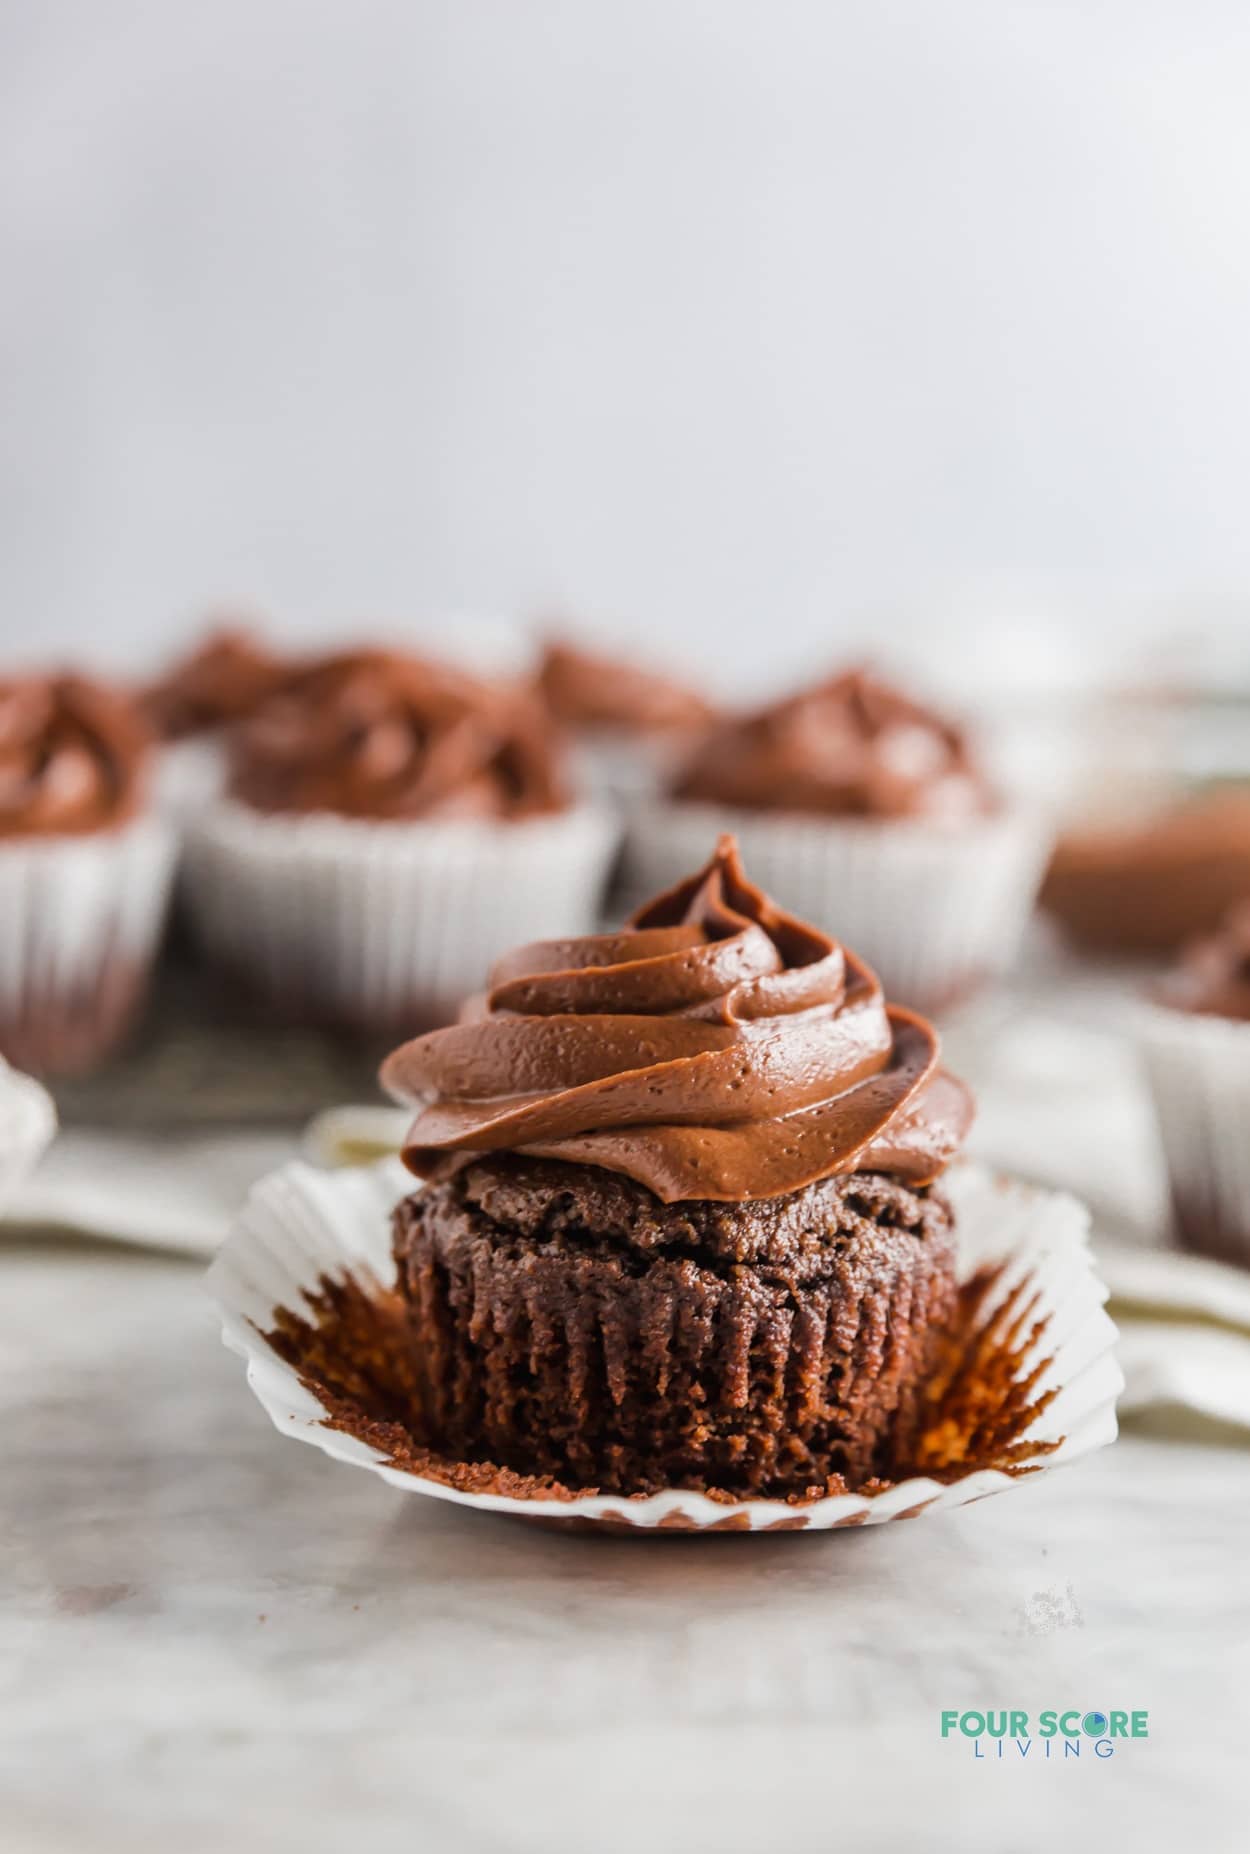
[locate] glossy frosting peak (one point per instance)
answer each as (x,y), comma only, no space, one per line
(376,734)
(715,1048)
(73,756)
(851,746)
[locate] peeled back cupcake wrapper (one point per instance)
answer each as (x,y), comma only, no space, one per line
(1199,1072)
(935,909)
(363,918)
(301,1227)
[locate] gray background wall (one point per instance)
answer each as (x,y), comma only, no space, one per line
(757,324)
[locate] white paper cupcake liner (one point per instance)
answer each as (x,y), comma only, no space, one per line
(80,914)
(368,922)
(300,1226)
(1198,1068)
(27,1123)
(936,910)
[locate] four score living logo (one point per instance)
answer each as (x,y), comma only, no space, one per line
(1054,1735)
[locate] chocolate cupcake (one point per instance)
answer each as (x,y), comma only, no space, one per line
(630,725)
(84,870)
(1196,1043)
(1148,884)
(867,812)
(681,1226)
(389,826)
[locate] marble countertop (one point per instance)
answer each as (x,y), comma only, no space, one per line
(212,1637)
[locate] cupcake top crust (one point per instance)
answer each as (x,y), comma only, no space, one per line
(73,756)
(585,690)
(850,747)
(224,678)
(376,734)
(1213,977)
(716,1048)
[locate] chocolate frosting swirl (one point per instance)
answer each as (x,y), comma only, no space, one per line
(1213,978)
(73,756)
(851,747)
(716,1048)
(375,734)
(224,678)
(585,690)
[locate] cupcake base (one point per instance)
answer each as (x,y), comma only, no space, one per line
(68,1033)
(565,1323)
(305,1285)
(83,918)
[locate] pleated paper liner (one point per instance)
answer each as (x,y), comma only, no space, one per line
(83,917)
(385,924)
(1198,1068)
(1027,1381)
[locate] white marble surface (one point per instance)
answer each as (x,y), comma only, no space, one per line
(211,1637)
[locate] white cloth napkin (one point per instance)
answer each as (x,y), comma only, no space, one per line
(174,1191)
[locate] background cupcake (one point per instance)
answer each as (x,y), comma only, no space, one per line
(1147,884)
(391,824)
(629,725)
(863,810)
(84,870)
(682,1229)
(1196,1043)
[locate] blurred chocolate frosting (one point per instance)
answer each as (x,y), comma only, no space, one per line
(378,734)
(587,691)
(223,679)
(74,755)
(848,747)
(716,1048)
(1148,884)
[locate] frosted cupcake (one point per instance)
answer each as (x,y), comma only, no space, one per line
(629,725)
(682,1225)
(1148,884)
(84,871)
(1196,1042)
(863,810)
(390,825)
